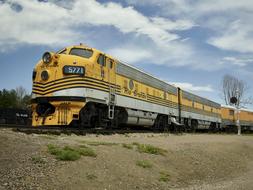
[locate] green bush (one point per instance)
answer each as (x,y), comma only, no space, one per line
(38,160)
(97,143)
(146,148)
(144,164)
(70,153)
(87,152)
(53,149)
(128,146)
(136,143)
(164,176)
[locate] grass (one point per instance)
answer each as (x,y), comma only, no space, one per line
(150,149)
(38,160)
(87,152)
(97,143)
(49,137)
(70,153)
(136,143)
(82,146)
(164,176)
(144,163)
(91,176)
(128,146)
(54,150)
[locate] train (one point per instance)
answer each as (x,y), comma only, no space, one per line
(83,87)
(230,117)
(15,116)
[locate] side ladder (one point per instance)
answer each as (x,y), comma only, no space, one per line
(111,103)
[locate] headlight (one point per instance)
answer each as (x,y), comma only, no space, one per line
(46,58)
(44,75)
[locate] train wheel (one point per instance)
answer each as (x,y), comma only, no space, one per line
(194,125)
(87,116)
(161,123)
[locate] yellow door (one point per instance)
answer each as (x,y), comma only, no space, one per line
(110,67)
(100,68)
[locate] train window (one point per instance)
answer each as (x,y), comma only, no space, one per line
(131,84)
(64,51)
(101,60)
(111,64)
(86,53)
(193,104)
(231,112)
(203,107)
(211,109)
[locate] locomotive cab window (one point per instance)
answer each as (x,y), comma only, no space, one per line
(63,51)
(101,60)
(86,53)
(111,63)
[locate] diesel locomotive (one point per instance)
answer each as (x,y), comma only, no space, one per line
(80,86)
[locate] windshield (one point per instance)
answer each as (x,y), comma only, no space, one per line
(62,51)
(86,53)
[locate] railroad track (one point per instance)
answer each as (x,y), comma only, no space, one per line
(103,131)
(67,130)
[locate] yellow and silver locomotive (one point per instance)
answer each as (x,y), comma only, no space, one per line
(82,86)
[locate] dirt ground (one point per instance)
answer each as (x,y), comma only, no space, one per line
(192,161)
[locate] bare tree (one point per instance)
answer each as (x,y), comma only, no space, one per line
(20,93)
(233,87)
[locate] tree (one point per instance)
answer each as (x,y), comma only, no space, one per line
(26,101)
(233,87)
(8,99)
(14,98)
(20,94)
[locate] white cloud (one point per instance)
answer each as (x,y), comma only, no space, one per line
(170,25)
(237,61)
(237,37)
(150,38)
(130,54)
(49,24)
(193,88)
(37,23)
(229,22)
(175,53)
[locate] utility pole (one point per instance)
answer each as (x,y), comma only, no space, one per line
(234,100)
(237,113)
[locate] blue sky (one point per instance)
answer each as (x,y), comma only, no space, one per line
(192,44)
